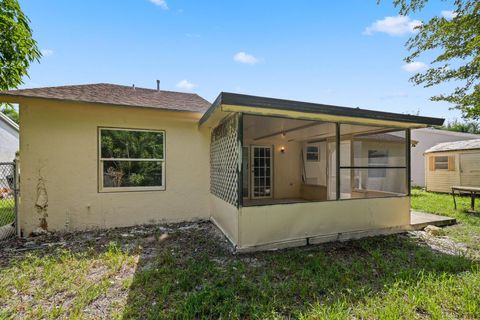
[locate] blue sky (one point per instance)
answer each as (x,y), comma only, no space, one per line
(336,52)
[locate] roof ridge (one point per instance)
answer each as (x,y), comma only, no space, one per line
(108,84)
(466,144)
(107,93)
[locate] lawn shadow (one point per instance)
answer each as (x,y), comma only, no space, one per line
(193,274)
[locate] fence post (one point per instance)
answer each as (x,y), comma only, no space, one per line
(16,188)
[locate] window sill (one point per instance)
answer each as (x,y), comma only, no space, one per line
(130,189)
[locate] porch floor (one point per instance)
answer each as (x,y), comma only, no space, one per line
(419,220)
(262,202)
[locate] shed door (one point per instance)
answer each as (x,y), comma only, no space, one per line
(470,169)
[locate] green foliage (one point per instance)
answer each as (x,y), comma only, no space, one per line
(457,42)
(122,144)
(132,144)
(17,47)
(467,127)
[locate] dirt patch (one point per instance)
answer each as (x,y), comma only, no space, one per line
(144,238)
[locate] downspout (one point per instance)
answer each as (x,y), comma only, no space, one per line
(337,159)
(408,160)
(240,158)
(240,177)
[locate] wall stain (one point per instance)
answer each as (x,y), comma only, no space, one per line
(41,205)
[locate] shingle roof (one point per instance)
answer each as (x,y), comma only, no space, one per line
(456,145)
(105,93)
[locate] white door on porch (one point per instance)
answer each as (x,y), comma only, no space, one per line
(261,172)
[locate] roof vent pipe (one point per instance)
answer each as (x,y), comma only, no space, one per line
(158,85)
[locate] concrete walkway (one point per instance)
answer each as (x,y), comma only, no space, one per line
(419,220)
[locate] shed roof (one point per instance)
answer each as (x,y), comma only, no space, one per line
(226,98)
(105,93)
(445,132)
(456,145)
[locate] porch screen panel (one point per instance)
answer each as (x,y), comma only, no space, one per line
(224,159)
(373,162)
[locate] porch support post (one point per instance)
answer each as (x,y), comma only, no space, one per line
(240,159)
(337,159)
(408,146)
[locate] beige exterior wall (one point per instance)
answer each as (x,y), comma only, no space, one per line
(466,171)
(281,224)
(287,177)
(59,159)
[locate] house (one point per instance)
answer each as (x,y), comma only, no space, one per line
(426,138)
(269,173)
(452,164)
(9,132)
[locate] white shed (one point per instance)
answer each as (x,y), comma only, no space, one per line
(426,138)
(453,164)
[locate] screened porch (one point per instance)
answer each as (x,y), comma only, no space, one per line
(288,173)
(287,161)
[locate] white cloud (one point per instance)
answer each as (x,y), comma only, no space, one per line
(46,52)
(186,85)
(161,3)
(246,58)
(393,26)
(415,66)
(448,14)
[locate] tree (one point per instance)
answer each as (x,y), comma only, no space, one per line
(467,127)
(18,49)
(456,43)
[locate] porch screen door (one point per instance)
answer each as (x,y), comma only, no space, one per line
(261,172)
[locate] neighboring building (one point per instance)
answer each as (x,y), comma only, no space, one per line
(9,132)
(263,170)
(426,138)
(453,164)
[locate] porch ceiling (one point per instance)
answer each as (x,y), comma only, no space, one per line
(227,103)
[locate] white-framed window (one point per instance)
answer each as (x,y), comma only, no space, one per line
(377,158)
(131,159)
(312,153)
(441,163)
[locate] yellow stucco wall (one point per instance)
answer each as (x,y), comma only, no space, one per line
(58,144)
(266,225)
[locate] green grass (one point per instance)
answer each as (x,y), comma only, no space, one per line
(7,211)
(60,283)
(191,275)
(468,228)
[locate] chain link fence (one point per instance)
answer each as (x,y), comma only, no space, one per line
(8,211)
